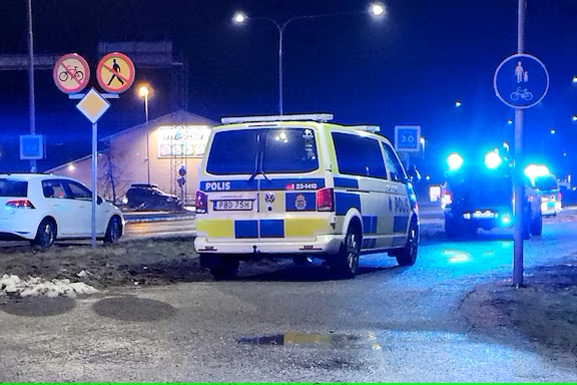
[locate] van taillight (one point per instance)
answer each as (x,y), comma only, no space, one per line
(201,203)
(446,199)
(325,199)
(20,204)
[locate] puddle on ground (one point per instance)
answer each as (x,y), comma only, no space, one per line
(38,306)
(294,338)
(134,309)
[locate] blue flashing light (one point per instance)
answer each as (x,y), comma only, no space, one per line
(454,161)
(493,160)
(532,171)
(506,219)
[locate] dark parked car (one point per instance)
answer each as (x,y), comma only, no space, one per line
(143,196)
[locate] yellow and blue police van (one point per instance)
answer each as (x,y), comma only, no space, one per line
(300,186)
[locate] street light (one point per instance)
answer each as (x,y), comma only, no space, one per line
(375,9)
(422,140)
(144,92)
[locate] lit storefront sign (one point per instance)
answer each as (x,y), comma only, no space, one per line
(183,140)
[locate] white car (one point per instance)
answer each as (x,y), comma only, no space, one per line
(42,208)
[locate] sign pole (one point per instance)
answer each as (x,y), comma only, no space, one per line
(31,81)
(94,182)
(519,183)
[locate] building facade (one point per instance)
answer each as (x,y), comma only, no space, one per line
(165,151)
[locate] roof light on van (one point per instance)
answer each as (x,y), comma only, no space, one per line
(367,128)
(534,170)
(321,117)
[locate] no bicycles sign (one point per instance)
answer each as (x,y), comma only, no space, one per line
(71,73)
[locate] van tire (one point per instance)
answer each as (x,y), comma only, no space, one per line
(221,267)
(537,225)
(346,263)
(407,256)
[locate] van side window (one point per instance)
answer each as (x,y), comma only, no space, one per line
(359,155)
(395,167)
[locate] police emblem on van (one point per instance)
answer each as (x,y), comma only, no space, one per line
(300,202)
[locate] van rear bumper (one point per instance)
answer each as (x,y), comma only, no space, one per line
(323,244)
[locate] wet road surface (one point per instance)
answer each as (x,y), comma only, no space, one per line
(282,323)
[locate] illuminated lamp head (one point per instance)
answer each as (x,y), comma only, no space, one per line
(492,160)
(454,161)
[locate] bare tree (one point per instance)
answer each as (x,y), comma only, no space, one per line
(112,176)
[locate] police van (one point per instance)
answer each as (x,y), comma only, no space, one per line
(299,186)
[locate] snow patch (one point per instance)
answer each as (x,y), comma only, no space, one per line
(35,287)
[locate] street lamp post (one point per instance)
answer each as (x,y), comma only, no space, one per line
(143,92)
(375,9)
(31,80)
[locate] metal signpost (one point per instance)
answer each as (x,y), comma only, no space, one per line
(115,74)
(93,106)
(520,81)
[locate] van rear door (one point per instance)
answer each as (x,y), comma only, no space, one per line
(290,182)
(259,177)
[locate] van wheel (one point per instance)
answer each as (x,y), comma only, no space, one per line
(408,254)
(537,225)
(113,231)
(222,267)
(302,260)
(46,234)
(346,263)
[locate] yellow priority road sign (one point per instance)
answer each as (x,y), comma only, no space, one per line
(115,72)
(71,73)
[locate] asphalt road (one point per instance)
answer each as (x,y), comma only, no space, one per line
(281,323)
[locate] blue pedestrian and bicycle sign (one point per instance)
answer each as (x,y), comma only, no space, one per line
(521,81)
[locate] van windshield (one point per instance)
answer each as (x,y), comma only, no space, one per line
(547,182)
(272,151)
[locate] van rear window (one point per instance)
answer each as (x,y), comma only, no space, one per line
(278,150)
(13,188)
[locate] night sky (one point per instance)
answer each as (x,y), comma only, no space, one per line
(406,68)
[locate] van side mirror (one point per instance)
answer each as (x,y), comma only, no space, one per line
(99,200)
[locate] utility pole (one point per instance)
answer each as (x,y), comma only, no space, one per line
(31,80)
